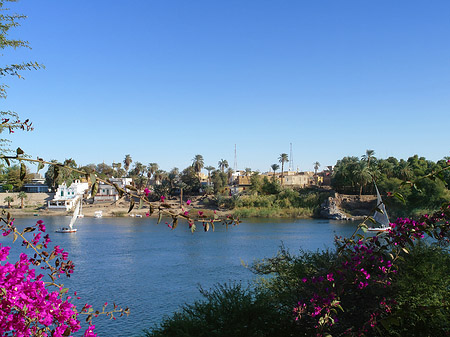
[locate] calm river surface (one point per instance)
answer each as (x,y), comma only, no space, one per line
(154,270)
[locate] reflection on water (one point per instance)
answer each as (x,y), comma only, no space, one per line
(153,270)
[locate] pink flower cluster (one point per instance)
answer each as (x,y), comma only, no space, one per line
(25,300)
(27,307)
(368,262)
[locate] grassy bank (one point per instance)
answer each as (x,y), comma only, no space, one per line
(273,212)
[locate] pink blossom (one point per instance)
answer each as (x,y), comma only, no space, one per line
(146,192)
(188,202)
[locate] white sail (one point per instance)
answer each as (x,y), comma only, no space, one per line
(75,214)
(381,218)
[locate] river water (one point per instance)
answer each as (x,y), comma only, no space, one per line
(154,270)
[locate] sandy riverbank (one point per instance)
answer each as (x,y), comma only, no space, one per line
(119,209)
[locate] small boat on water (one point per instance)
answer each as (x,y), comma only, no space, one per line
(70,228)
(98,214)
(380,217)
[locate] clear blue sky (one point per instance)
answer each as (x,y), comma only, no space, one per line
(166,80)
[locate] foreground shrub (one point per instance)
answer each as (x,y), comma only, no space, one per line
(391,284)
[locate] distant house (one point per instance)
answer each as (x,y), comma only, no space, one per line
(108,193)
(300,179)
(66,196)
(37,184)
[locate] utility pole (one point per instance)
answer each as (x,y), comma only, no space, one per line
(291,159)
(235,159)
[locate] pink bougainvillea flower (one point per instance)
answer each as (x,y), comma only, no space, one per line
(146,192)
(162,198)
(147,214)
(200,213)
(188,202)
(186,213)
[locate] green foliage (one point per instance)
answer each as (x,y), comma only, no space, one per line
(58,174)
(226,202)
(286,203)
(219,180)
(191,180)
(13,177)
(421,289)
(7,187)
(226,310)
(270,186)
(353,176)
(9,199)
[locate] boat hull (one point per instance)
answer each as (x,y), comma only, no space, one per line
(378,229)
(66,230)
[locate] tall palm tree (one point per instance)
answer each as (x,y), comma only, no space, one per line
(151,169)
(248,171)
(274,167)
(173,177)
(316,167)
(139,169)
(223,164)
(159,175)
(283,158)
(127,161)
(117,166)
(368,156)
(209,169)
(22,196)
(362,175)
(230,172)
(198,163)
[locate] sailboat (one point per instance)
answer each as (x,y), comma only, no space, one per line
(80,214)
(70,229)
(380,217)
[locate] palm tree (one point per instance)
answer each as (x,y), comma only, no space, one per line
(316,167)
(230,172)
(127,161)
(404,170)
(274,167)
(369,155)
(223,164)
(209,169)
(283,159)
(173,177)
(159,175)
(139,169)
(151,169)
(198,163)
(362,175)
(22,195)
(248,171)
(117,166)
(9,200)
